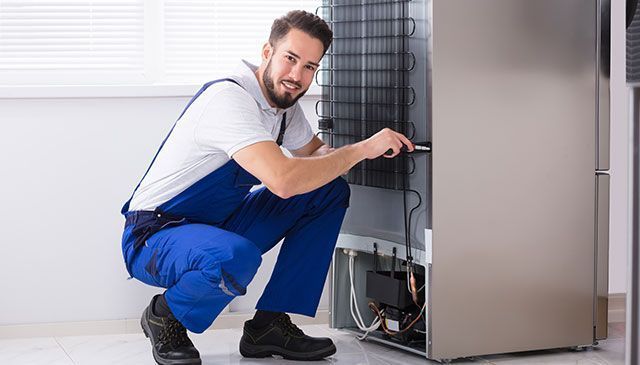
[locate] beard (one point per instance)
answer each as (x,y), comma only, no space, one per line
(281,101)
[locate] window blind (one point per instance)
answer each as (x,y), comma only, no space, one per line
(41,41)
(83,42)
(208,38)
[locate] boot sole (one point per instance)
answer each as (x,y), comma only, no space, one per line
(160,360)
(260,351)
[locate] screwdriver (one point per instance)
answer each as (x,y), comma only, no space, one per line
(417,148)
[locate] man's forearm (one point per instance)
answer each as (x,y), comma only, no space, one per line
(305,174)
(289,176)
(322,150)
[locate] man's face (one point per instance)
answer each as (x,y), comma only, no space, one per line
(291,64)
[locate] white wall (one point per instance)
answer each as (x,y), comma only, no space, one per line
(67,165)
(619,155)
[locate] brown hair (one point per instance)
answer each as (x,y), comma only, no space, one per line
(309,23)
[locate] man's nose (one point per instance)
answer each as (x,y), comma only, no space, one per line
(296,72)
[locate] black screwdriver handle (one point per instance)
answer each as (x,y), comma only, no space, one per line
(390,150)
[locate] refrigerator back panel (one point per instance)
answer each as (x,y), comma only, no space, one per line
(633,43)
(374,77)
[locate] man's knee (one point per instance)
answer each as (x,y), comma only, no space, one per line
(339,188)
(237,266)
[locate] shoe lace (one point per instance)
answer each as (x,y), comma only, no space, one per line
(289,327)
(174,333)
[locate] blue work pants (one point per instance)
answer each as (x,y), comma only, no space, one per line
(204,266)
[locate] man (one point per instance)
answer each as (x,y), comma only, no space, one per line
(194,227)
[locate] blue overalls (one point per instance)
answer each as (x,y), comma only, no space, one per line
(205,244)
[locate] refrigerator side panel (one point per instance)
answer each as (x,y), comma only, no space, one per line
(514,139)
(602,256)
(604,77)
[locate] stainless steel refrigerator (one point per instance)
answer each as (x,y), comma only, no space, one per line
(507,216)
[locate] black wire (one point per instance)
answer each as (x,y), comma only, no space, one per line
(407,222)
(414,208)
(408,218)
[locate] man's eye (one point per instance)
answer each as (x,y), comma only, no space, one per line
(290,58)
(309,67)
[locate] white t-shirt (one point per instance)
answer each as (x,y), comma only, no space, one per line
(224,119)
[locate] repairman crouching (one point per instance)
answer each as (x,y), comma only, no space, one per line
(194,227)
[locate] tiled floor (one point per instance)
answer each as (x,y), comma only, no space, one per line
(221,347)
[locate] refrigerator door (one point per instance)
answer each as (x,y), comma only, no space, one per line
(514,152)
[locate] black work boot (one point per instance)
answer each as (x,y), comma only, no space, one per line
(281,337)
(168,338)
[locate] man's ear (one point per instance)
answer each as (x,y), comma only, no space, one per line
(267,51)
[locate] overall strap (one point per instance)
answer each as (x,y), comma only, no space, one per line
(125,208)
(283,126)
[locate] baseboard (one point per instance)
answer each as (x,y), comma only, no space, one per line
(617,307)
(112,327)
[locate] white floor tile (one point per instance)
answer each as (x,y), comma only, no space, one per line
(600,355)
(611,351)
(130,349)
(33,351)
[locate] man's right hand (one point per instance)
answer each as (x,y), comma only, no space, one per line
(387,139)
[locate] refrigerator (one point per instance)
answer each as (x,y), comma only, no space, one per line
(503,224)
